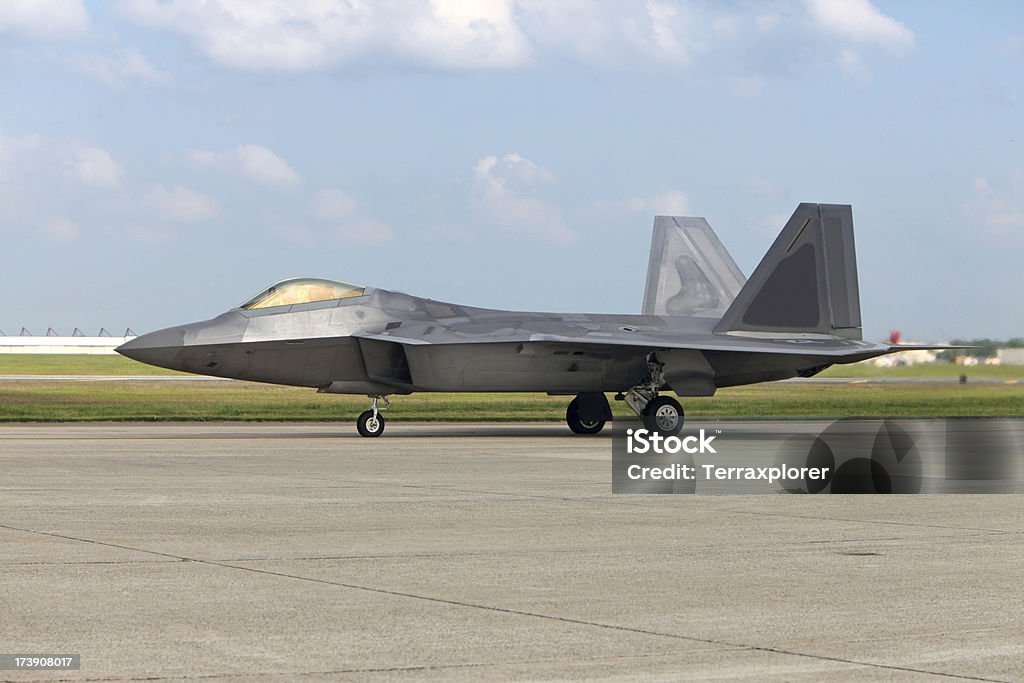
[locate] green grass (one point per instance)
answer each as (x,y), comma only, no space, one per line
(75,364)
(166,401)
(933,370)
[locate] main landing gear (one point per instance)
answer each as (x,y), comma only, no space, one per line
(661,414)
(371,422)
(588,413)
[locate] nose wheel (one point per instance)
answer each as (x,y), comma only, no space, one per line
(371,422)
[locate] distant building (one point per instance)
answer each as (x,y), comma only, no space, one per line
(1010,356)
(904,358)
(67,345)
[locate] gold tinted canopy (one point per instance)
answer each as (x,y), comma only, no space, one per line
(302,291)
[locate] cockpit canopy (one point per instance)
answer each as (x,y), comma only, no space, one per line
(302,291)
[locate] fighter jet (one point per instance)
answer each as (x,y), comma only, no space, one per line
(703,326)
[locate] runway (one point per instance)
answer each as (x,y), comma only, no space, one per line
(477,552)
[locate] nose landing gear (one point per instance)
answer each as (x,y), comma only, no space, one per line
(371,422)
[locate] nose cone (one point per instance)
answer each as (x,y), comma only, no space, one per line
(160,348)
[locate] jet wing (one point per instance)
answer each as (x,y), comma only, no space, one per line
(926,347)
(625,340)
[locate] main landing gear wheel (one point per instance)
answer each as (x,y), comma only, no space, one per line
(577,424)
(664,415)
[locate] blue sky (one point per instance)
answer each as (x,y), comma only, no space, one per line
(162,161)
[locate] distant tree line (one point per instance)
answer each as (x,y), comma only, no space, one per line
(985,347)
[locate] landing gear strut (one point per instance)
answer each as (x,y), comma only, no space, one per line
(661,414)
(371,422)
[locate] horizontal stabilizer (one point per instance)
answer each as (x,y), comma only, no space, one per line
(690,272)
(894,348)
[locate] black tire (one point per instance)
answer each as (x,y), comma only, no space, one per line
(577,424)
(370,425)
(664,415)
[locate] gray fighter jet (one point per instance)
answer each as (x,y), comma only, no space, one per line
(703,326)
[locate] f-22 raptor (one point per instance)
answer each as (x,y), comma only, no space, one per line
(703,326)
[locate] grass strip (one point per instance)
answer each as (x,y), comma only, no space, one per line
(45,401)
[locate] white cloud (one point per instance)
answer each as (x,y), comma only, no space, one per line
(119,68)
(317,34)
(993,214)
(738,42)
(15,151)
(505,191)
(770,224)
(333,205)
(60,230)
(461,34)
(852,65)
(28,158)
(667,203)
(614,34)
(671,42)
(512,169)
(38,173)
(255,162)
(862,22)
(179,204)
(95,167)
(341,217)
(45,19)
(263,166)
(580,28)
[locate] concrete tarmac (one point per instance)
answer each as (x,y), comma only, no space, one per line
(476,552)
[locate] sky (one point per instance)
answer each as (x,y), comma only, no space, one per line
(163,161)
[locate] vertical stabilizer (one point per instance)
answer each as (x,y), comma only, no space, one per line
(690,271)
(807,282)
